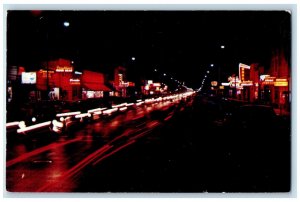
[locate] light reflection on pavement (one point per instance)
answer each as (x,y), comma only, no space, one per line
(34,166)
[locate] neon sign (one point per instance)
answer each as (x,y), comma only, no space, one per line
(75,81)
(281,82)
(64,69)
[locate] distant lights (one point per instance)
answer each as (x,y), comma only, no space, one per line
(66,24)
(207,72)
(222,46)
(133,58)
(211,65)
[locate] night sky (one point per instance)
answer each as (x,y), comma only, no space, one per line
(182,44)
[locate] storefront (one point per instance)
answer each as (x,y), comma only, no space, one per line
(93,85)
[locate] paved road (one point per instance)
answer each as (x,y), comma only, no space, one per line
(177,149)
(37,164)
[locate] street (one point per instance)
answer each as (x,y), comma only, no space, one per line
(167,146)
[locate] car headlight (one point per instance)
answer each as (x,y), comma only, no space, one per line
(22,124)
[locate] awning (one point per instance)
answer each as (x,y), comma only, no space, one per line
(96,87)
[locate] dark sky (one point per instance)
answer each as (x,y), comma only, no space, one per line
(180,43)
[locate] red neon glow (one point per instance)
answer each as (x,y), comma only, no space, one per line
(114,151)
(75,169)
(38,151)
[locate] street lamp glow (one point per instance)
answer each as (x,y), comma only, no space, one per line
(207,72)
(133,58)
(66,24)
(222,47)
(155,70)
(211,65)
(165,74)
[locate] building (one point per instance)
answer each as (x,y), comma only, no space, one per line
(277,84)
(93,85)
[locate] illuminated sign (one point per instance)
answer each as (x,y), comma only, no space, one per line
(75,81)
(267,83)
(281,82)
(225,84)
(28,78)
(247,83)
(234,82)
(222,87)
(214,83)
(44,73)
(268,80)
(244,72)
(120,79)
(244,66)
(262,77)
(64,69)
(131,84)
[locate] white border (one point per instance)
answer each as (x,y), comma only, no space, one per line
(156,5)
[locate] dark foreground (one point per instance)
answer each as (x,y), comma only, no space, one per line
(191,150)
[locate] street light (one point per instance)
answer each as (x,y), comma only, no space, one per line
(222,47)
(66,24)
(133,58)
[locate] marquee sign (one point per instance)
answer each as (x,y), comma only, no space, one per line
(64,69)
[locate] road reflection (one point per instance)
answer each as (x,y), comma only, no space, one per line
(39,164)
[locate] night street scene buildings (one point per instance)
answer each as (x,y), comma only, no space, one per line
(148,101)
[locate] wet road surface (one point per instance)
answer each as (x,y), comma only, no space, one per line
(164,147)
